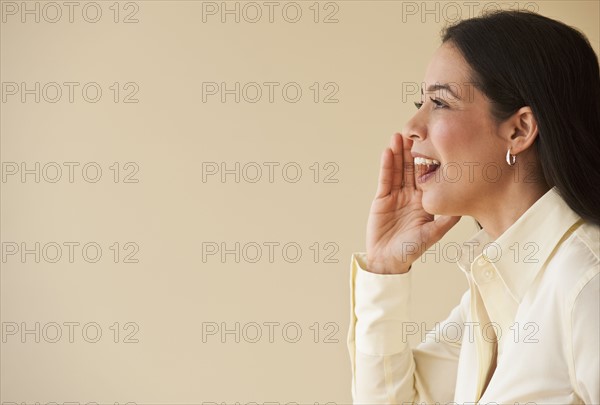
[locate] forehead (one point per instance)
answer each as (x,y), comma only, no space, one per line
(447,66)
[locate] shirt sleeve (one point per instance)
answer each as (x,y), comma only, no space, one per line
(385,370)
(585,335)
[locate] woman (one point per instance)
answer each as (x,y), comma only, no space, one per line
(511,103)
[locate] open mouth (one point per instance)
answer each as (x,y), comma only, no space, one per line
(425,168)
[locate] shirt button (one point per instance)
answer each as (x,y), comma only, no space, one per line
(488,274)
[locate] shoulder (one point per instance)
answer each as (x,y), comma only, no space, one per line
(589,235)
(574,263)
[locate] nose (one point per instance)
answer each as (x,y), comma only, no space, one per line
(415,128)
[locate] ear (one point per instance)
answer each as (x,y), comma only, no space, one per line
(520,130)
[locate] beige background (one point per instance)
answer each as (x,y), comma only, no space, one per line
(373,51)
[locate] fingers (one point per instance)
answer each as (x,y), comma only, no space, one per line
(396,145)
(386,173)
(396,167)
(409,165)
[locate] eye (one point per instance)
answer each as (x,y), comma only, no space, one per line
(438,103)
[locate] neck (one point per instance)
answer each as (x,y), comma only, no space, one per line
(504,209)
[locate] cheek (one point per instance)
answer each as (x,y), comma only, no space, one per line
(453,139)
(461,144)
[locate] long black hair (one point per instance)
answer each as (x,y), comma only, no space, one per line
(521,58)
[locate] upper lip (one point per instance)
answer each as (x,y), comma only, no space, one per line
(415,154)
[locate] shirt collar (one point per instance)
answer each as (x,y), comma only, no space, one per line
(521,251)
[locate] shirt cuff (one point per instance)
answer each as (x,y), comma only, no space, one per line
(381,309)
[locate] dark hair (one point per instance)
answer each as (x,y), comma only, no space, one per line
(520,58)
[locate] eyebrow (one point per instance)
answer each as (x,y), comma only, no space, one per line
(444,86)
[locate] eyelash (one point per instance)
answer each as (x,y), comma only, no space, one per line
(438,103)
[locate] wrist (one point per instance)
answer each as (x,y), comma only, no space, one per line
(397,269)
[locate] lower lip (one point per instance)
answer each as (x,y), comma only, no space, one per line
(426,177)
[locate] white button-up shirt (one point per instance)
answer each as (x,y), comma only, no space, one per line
(526,331)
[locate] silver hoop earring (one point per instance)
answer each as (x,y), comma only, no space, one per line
(510,159)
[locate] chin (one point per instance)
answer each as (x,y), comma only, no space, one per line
(432,204)
(436,204)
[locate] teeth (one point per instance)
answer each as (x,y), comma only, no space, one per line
(424,161)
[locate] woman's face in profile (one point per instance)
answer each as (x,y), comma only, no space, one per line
(454,126)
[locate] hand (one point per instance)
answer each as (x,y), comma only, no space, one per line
(399,230)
